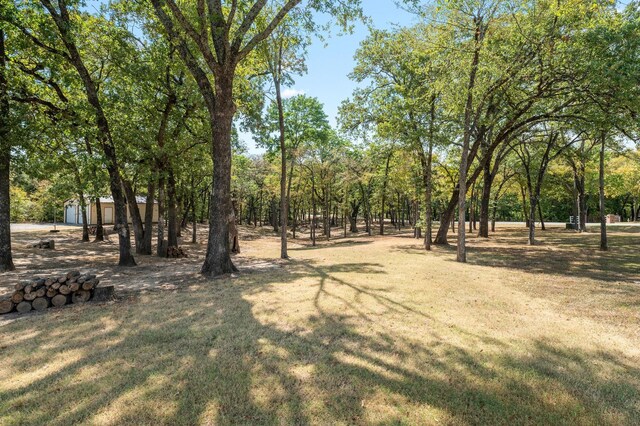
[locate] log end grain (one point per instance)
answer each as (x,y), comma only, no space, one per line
(59,300)
(40,303)
(17,297)
(6,306)
(23,307)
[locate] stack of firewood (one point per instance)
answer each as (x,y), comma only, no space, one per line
(174,252)
(44,244)
(41,293)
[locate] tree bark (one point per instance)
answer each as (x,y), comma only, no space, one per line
(353,216)
(136,218)
(194,221)
(384,193)
(533,200)
(603,218)
(148,218)
(172,216)
(99,224)
(284,194)
(485,200)
(63,23)
(85,224)
(161,249)
(6,257)
(461,255)
(218,258)
(542,225)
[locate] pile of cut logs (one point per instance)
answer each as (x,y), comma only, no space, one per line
(174,252)
(44,244)
(41,293)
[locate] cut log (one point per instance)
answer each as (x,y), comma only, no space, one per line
(6,306)
(28,288)
(90,285)
(103,294)
(21,285)
(23,307)
(55,286)
(62,279)
(51,292)
(41,292)
(74,286)
(64,289)
(17,297)
(40,303)
(73,274)
(59,300)
(30,296)
(81,296)
(49,281)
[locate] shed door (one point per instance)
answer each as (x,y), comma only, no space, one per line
(108,215)
(70,216)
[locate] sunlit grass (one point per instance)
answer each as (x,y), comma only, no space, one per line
(360,331)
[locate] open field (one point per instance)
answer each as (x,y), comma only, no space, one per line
(362,330)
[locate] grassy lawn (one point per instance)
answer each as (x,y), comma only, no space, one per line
(356,331)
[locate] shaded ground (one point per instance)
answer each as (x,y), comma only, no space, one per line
(364,330)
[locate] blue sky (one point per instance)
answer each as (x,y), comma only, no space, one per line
(330,62)
(330,65)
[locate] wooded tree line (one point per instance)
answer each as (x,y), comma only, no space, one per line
(481,111)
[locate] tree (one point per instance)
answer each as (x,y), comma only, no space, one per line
(213,43)
(283,53)
(63,23)
(6,259)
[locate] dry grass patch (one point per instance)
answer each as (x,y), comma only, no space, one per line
(357,331)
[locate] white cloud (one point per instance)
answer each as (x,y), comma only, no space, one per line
(290,93)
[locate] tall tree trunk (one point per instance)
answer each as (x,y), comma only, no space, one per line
(384,193)
(218,257)
(161,249)
(461,255)
(314,211)
(85,225)
(542,225)
(472,209)
(99,223)
(148,218)
(603,219)
(63,23)
(533,200)
(136,218)
(523,194)
(353,217)
(485,200)
(284,194)
(194,221)
(172,217)
(326,214)
(6,257)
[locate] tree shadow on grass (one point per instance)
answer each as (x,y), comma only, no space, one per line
(557,253)
(208,356)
